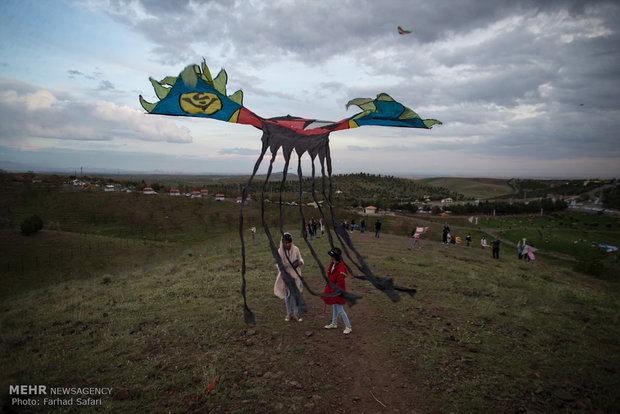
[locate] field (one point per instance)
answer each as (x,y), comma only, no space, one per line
(152,310)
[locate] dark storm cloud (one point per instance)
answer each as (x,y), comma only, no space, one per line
(322,28)
(532,79)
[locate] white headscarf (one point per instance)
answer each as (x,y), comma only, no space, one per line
(288,257)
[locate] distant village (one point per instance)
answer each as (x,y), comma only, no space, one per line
(588,198)
(173,192)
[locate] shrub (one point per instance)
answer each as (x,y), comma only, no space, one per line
(31,225)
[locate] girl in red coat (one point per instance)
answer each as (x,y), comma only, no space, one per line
(336,273)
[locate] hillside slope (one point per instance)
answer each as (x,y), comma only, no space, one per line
(481,335)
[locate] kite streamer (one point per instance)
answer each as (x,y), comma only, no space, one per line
(196,93)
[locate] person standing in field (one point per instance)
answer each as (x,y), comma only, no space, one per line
(416,240)
(292,261)
(336,272)
(445,234)
(311,229)
(362,225)
(520,249)
(495,244)
(377,228)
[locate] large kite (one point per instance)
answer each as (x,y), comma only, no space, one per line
(196,93)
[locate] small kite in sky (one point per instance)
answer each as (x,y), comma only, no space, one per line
(196,93)
(403,31)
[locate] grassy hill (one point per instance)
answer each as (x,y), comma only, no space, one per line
(90,220)
(480,335)
(472,187)
(141,294)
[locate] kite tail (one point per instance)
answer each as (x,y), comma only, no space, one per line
(386,285)
(338,228)
(247,313)
(410,291)
(334,220)
(348,297)
(288,280)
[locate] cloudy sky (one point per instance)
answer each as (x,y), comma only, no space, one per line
(523,88)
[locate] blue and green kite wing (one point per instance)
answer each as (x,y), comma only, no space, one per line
(385,111)
(195,93)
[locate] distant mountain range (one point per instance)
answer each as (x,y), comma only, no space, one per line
(17,167)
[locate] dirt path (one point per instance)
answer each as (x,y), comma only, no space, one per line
(355,373)
(305,368)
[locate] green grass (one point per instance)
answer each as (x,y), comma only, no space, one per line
(50,257)
(495,336)
(153,330)
(570,235)
(481,335)
(159,318)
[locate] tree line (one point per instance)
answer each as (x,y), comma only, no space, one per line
(504,207)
